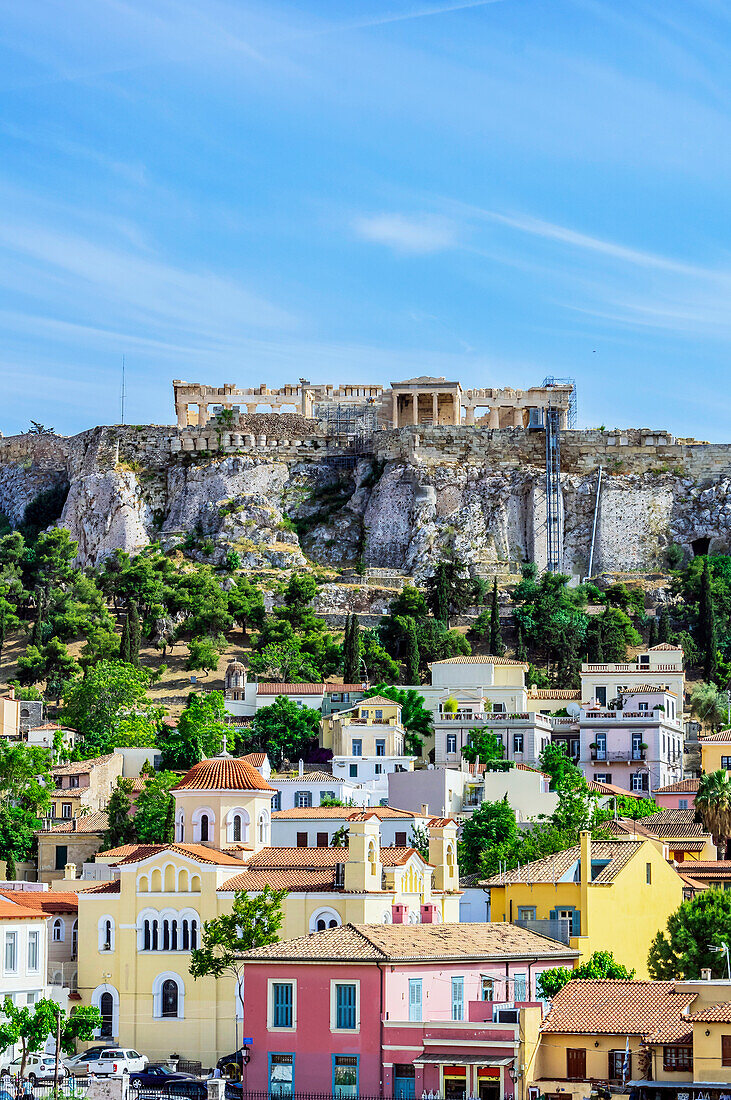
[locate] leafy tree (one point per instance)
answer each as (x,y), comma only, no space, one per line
(416,718)
(449,590)
(600,964)
(52,663)
(286,663)
(491,826)
(99,705)
(707,626)
(652,633)
(556,762)
(252,922)
(18,829)
(283,730)
(419,840)
(713,805)
(25,777)
(709,705)
(120,827)
(153,808)
(200,733)
(375,661)
(683,950)
(246,604)
(485,747)
(675,556)
(497,649)
(552,622)
(9,621)
(204,653)
(30,1026)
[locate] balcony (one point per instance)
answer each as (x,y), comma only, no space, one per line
(619,756)
(63,975)
(555,929)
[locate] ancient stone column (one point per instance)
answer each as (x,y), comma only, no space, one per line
(435,408)
(517,418)
(494,417)
(394,410)
(469,414)
(415,409)
(457,409)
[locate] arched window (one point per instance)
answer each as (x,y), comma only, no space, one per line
(186,936)
(180,826)
(155,935)
(166,935)
(237,828)
(204,827)
(169,998)
(263,827)
(105,933)
(147,937)
(106,1007)
(193,935)
(59,930)
(322,919)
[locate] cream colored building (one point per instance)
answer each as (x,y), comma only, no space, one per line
(84,786)
(9,715)
(142,923)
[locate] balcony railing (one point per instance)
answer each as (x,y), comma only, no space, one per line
(63,975)
(555,929)
(626,755)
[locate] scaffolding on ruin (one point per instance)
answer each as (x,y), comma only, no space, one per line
(349,430)
(572,411)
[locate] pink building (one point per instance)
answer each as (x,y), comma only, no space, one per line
(677,796)
(635,742)
(396,1010)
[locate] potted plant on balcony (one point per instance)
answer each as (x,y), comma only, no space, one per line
(450,707)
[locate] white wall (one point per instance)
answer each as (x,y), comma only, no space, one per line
(285,830)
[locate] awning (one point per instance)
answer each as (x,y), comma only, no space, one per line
(450,1059)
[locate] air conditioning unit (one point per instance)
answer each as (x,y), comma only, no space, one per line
(506,1016)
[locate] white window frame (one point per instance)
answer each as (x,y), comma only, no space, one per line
(167,975)
(59,925)
(102,934)
(34,937)
(334,1006)
(96,1001)
(10,937)
(271,982)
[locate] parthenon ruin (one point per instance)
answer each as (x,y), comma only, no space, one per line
(427,401)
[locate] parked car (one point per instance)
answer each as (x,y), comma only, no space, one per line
(192,1089)
(90,1055)
(38,1067)
(116,1060)
(157,1077)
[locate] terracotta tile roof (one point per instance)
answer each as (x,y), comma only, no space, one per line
(379,699)
(689,785)
(256,759)
(721,737)
(119,853)
(479,661)
(198,852)
(46,901)
(610,789)
(109,887)
(687,845)
(713,868)
(222,774)
(298,858)
(622,826)
(287,878)
(528,768)
(554,693)
(306,777)
(330,688)
(674,1031)
(290,689)
(618,852)
(95,822)
(51,726)
(615,1007)
(303,868)
(674,823)
(440,822)
(406,942)
(383,813)
(8,911)
(646,689)
(716,1014)
(78,767)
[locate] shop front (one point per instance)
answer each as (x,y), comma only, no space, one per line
(679,1090)
(466,1077)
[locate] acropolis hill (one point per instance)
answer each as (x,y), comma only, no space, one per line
(392,477)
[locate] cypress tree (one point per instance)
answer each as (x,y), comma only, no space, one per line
(355,648)
(663,627)
(707,624)
(412,654)
(168,829)
(351,650)
(652,633)
(521,653)
(441,594)
(124,641)
(496,639)
(36,636)
(10,870)
(135,633)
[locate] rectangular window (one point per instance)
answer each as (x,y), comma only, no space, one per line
(301,840)
(601,746)
(353,771)
(33,952)
(61,856)
(600,695)
(615,1068)
(451,742)
(677,1059)
(303,800)
(277,801)
(66,810)
(400,840)
(487,987)
(648,873)
(526,912)
(682,803)
(11,952)
(322,840)
(282,1004)
(281,1074)
(643,706)
(726,762)
(357,747)
(517,742)
(73,781)
(378,769)
(345,1006)
(576,1063)
(520,987)
(457,998)
(345,1075)
(380,747)
(726,1050)
(379,715)
(414,999)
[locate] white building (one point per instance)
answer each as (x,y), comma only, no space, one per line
(243,697)
(23,943)
(315,827)
(306,789)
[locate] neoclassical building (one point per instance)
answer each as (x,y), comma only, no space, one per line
(139,927)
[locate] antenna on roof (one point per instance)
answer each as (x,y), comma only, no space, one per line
(123,391)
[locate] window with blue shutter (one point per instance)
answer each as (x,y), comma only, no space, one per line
(414,999)
(282,996)
(458,998)
(345,1004)
(520,987)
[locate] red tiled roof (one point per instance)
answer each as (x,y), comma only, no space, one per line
(383,813)
(302,868)
(666,646)
(256,759)
(479,661)
(18,912)
(47,901)
(708,868)
(290,689)
(615,1007)
(119,853)
(222,774)
(95,822)
(554,693)
(306,777)
(78,767)
(689,785)
(721,737)
(610,789)
(109,887)
(716,1014)
(198,852)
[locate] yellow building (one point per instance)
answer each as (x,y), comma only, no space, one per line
(638,1033)
(376,718)
(612,895)
(140,926)
(716,751)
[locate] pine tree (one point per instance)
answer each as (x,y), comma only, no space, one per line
(120,826)
(497,649)
(412,654)
(707,627)
(135,633)
(10,871)
(169,827)
(652,633)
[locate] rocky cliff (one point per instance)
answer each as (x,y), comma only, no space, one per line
(278,502)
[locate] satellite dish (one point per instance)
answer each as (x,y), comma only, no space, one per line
(573,709)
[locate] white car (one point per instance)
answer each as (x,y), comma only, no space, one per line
(38,1067)
(115,1060)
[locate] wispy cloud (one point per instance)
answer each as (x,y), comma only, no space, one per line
(407,234)
(417,13)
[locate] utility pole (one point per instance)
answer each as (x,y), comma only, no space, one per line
(58,1049)
(123,392)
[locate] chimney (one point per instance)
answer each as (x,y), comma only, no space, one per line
(424,809)
(398,914)
(301,767)
(69,870)
(586,856)
(705,974)
(74,825)
(429,914)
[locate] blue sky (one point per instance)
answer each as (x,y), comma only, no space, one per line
(365,190)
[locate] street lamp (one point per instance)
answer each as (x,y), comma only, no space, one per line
(722,950)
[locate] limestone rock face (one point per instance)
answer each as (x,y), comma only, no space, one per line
(105,512)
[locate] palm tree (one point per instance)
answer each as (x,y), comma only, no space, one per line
(713,806)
